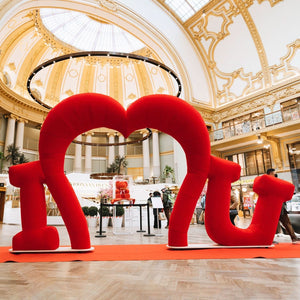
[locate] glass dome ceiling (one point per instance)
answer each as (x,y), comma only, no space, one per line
(86,33)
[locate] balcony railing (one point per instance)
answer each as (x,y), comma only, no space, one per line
(277,117)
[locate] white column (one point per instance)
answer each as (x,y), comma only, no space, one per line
(78,153)
(20,134)
(180,165)
(10,133)
(111,149)
(122,147)
(88,154)
(155,150)
(146,157)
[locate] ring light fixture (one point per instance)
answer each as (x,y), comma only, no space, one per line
(149,134)
(98,54)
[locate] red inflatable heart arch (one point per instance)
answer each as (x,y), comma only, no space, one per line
(84,112)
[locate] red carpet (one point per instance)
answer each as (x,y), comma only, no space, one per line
(153,252)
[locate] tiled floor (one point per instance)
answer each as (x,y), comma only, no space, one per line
(182,279)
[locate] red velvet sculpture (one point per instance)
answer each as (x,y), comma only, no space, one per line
(84,112)
(81,113)
(272,193)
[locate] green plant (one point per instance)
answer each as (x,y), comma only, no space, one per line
(117,165)
(119,211)
(93,211)
(105,211)
(14,156)
(22,159)
(168,171)
(85,210)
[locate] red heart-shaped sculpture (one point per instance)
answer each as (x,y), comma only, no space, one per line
(84,112)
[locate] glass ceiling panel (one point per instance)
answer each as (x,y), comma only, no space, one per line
(186,8)
(87,34)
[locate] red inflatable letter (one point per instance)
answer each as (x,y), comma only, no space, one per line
(272,193)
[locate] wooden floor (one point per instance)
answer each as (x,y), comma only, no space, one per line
(182,279)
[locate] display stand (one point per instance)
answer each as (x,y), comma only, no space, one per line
(148,222)
(127,215)
(124,205)
(141,222)
(157,204)
(100,223)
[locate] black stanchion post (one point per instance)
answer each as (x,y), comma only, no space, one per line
(100,222)
(141,220)
(148,219)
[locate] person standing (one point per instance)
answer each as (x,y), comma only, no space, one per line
(284,218)
(233,206)
(156,211)
(167,203)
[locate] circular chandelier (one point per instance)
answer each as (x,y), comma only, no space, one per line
(98,54)
(149,134)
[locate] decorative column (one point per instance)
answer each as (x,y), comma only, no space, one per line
(155,150)
(121,147)
(20,133)
(78,153)
(276,152)
(146,156)
(10,132)
(88,153)
(111,149)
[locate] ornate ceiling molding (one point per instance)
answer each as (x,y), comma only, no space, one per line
(242,6)
(108,4)
(285,69)
(272,2)
(21,107)
(238,84)
(207,41)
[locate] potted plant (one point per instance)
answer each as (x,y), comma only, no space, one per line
(92,219)
(119,216)
(106,214)
(14,156)
(168,174)
(85,210)
(119,211)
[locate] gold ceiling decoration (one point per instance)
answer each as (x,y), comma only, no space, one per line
(108,4)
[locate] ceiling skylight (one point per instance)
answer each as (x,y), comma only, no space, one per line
(86,33)
(186,8)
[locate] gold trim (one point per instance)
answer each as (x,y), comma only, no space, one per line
(134,156)
(272,2)
(167,153)
(257,40)
(20,106)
